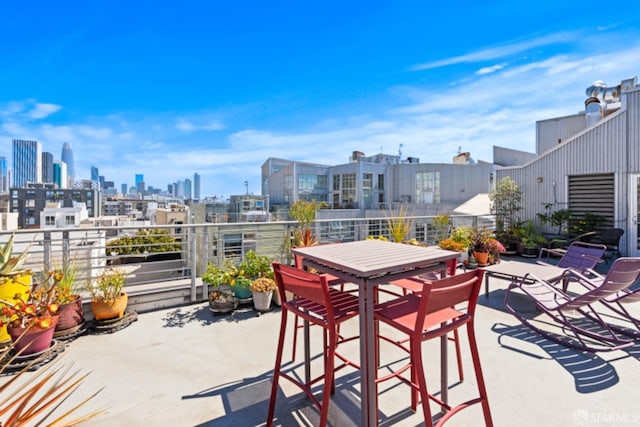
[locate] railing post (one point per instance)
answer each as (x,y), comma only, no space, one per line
(65,250)
(206,252)
(193,261)
(47,251)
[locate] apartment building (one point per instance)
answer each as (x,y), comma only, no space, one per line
(378,182)
(587,162)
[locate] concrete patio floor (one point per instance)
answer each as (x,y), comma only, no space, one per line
(189,367)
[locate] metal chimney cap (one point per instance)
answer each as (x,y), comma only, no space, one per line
(595,88)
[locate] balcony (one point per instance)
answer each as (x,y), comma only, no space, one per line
(183,365)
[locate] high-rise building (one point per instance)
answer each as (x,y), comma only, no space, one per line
(196,187)
(187,189)
(4,187)
(60,174)
(95,176)
(47,167)
(67,157)
(140,186)
(27,162)
(123,189)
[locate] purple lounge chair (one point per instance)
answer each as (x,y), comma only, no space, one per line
(574,312)
(616,302)
(579,255)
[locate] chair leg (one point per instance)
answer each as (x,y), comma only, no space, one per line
(276,369)
(329,375)
(415,383)
(417,375)
(456,341)
(295,337)
(484,401)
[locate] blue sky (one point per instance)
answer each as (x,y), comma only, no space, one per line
(167,89)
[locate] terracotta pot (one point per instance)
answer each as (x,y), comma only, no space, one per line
(34,340)
(482,258)
(17,285)
(70,315)
(112,309)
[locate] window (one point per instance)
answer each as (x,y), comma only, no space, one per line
(50,220)
(288,182)
(348,188)
(380,181)
(336,182)
(428,187)
(69,219)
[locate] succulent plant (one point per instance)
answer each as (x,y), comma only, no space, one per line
(11,265)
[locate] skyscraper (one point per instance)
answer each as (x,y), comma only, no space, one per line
(140,186)
(27,162)
(60,174)
(187,189)
(123,188)
(47,167)
(67,157)
(95,176)
(4,183)
(196,187)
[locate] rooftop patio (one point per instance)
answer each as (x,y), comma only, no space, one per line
(189,367)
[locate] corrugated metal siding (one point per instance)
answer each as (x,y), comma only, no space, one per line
(598,150)
(633,129)
(550,133)
(593,194)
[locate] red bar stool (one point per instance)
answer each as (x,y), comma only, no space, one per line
(320,305)
(331,280)
(432,314)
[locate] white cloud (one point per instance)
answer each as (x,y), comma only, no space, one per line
(491,69)
(40,110)
(499,52)
(185,125)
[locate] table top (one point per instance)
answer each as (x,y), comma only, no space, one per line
(518,269)
(369,258)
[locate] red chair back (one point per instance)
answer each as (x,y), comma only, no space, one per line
(450,291)
(312,287)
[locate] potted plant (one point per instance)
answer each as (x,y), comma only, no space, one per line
(31,320)
(240,276)
(480,244)
(262,289)
(220,301)
(14,280)
(70,312)
(495,249)
(108,301)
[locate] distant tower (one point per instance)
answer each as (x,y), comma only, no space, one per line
(95,176)
(187,189)
(60,174)
(4,187)
(196,186)
(123,188)
(67,157)
(47,167)
(140,185)
(27,162)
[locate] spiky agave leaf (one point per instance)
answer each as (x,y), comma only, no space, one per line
(53,384)
(11,265)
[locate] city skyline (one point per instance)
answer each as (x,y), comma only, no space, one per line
(216,89)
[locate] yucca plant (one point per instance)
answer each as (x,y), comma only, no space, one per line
(28,399)
(399,225)
(11,265)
